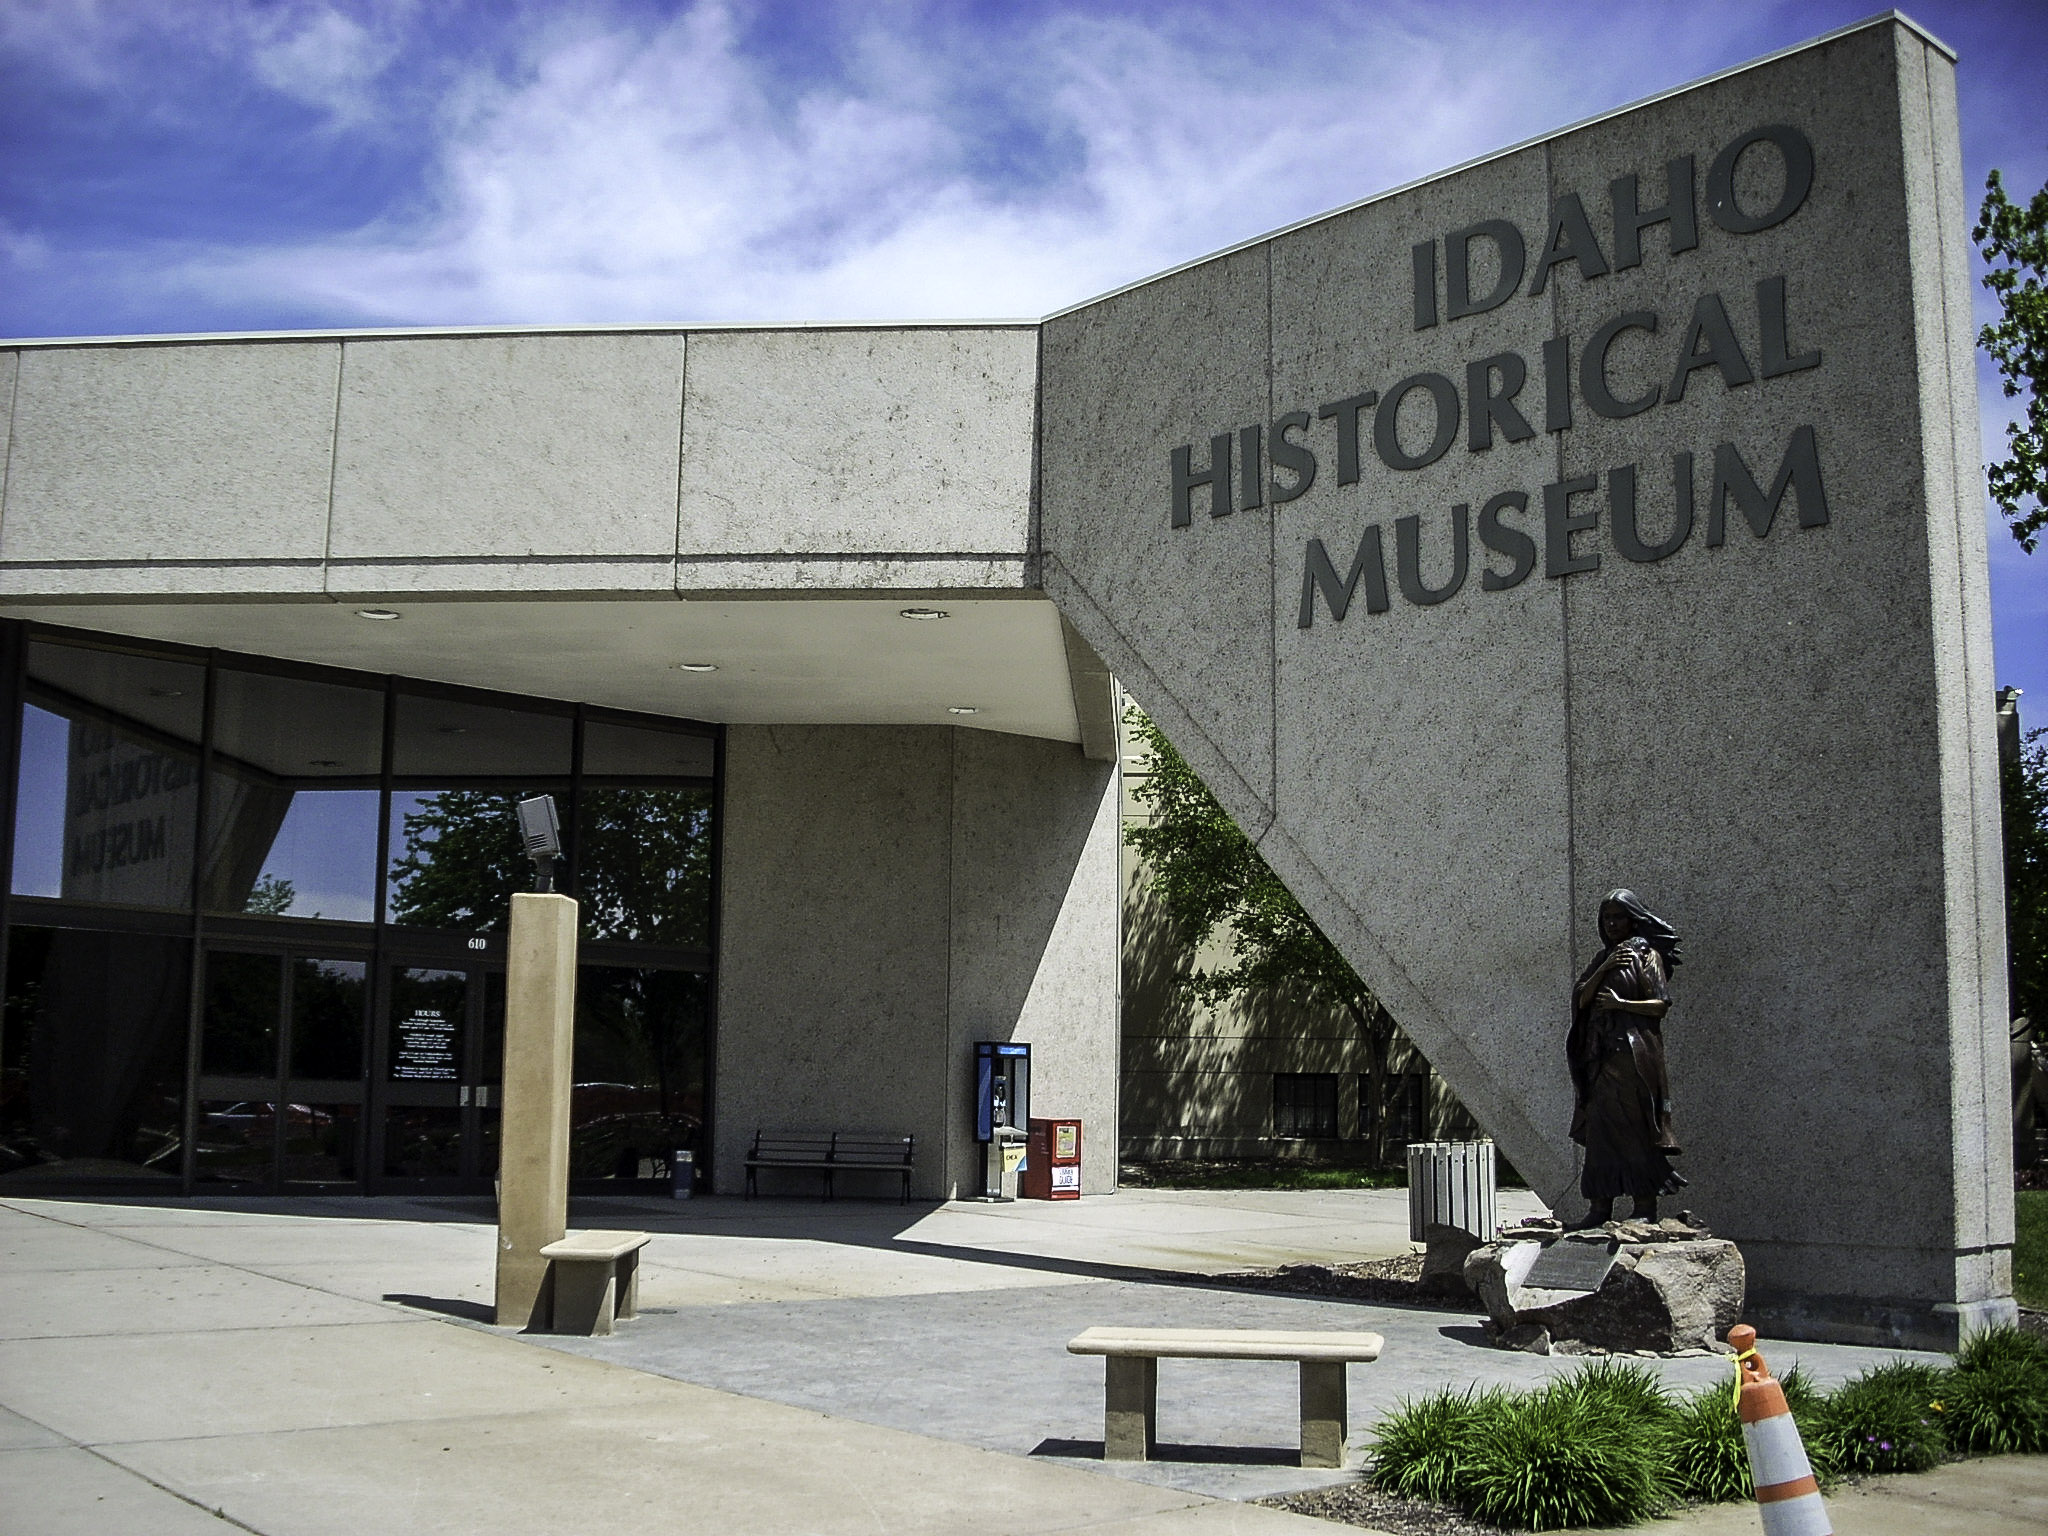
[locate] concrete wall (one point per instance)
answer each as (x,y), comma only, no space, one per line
(630,463)
(893,894)
(1783,743)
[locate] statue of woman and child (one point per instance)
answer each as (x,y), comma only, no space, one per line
(1621,1094)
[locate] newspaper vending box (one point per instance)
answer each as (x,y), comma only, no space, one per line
(1052,1170)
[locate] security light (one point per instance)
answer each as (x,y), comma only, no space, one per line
(542,835)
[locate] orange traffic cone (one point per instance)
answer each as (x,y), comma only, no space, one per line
(1787,1497)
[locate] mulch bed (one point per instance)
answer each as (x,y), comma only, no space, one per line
(1394,1282)
(1358,1504)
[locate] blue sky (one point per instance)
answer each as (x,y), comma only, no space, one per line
(196,165)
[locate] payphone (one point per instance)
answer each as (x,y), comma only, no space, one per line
(1002,1112)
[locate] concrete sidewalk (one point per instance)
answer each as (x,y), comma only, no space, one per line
(303,1367)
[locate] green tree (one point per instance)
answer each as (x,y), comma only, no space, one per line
(2014,243)
(1207,875)
(2024,786)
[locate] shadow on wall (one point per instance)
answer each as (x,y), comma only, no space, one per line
(1033,945)
(1206,1082)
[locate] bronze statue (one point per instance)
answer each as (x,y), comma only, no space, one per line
(1621,1096)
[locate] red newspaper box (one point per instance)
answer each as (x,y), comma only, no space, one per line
(1052,1167)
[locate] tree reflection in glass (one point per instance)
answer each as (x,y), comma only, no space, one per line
(639,1075)
(458,859)
(643,865)
(643,862)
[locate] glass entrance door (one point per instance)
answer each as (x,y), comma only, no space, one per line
(281,1071)
(435,1079)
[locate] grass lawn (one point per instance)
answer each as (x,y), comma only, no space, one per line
(2030,1248)
(1260,1175)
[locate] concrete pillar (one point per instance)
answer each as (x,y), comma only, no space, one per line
(533,1155)
(1325,1412)
(1130,1407)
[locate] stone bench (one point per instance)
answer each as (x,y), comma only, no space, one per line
(1130,1380)
(596,1277)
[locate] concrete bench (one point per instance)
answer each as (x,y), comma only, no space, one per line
(1130,1380)
(596,1278)
(829,1153)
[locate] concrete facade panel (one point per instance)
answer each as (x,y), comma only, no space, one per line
(1821,702)
(825,574)
(562,576)
(10,369)
(203,454)
(890,896)
(842,444)
(1946,357)
(1178,619)
(508,446)
(833,948)
(1036,937)
(1781,740)
(1370,711)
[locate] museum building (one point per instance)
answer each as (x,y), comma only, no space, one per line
(1604,513)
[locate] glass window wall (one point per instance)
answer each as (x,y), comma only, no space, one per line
(92,1058)
(639,1076)
(302,930)
(107,797)
(292,812)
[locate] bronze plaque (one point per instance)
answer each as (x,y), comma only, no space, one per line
(1567,1265)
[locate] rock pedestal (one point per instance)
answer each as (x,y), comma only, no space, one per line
(1669,1288)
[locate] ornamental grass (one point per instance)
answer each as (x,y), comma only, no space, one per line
(1885,1420)
(1607,1445)
(1995,1401)
(1709,1461)
(1575,1453)
(1422,1449)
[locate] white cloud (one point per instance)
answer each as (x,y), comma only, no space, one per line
(321,57)
(660,174)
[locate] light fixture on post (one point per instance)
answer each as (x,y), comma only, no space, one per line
(541,832)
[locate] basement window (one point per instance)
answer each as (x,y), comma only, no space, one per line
(1305,1104)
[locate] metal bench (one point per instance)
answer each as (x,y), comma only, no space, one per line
(596,1277)
(1130,1380)
(830,1153)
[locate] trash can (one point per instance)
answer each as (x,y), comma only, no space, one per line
(1450,1184)
(682,1173)
(1006,1149)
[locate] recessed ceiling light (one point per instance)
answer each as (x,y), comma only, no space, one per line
(962,709)
(375,613)
(695,666)
(926,613)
